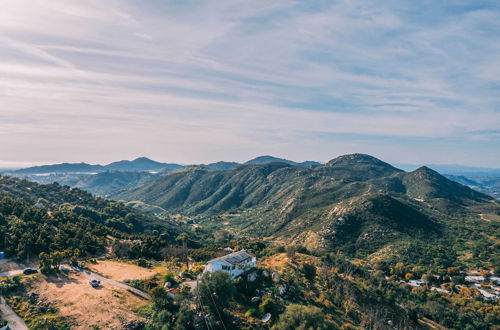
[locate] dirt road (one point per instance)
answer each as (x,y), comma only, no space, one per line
(11,273)
(7,314)
(118,284)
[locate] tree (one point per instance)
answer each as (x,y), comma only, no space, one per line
(300,317)
(222,236)
(45,262)
(160,320)
(308,270)
(160,297)
(57,258)
(216,290)
(269,305)
(185,290)
(290,252)
(458,279)
(184,319)
(183,237)
(428,279)
(399,269)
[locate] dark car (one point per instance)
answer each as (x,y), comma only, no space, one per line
(95,283)
(29,271)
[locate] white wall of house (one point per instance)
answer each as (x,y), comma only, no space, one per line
(233,270)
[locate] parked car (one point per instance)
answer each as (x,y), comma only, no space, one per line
(65,269)
(95,283)
(29,271)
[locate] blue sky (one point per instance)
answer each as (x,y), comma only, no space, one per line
(201,81)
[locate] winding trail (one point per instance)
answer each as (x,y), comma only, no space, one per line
(7,314)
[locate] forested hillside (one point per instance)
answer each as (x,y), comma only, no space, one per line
(38,218)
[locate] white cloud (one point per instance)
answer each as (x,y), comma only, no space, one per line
(88,80)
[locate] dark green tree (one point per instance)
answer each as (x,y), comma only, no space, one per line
(216,290)
(300,317)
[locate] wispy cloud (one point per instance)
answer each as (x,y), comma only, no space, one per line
(199,81)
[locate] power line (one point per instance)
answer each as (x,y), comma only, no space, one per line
(216,308)
(201,306)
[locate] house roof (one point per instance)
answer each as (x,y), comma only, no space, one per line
(234,258)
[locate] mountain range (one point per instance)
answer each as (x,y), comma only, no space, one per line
(355,201)
(144,164)
(138,164)
(104,180)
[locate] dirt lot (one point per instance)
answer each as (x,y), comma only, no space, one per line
(120,271)
(107,307)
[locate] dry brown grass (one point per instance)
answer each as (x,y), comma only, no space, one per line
(107,307)
(120,271)
(280,260)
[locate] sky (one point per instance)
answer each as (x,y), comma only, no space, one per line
(201,81)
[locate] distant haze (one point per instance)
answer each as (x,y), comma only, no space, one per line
(198,82)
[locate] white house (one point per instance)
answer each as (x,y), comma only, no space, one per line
(234,264)
(416,283)
(474,278)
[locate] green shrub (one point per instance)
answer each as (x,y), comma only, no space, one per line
(252,312)
(303,317)
(141,262)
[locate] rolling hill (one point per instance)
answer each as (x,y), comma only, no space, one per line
(105,183)
(60,168)
(100,184)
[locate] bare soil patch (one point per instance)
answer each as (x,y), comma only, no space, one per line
(120,271)
(107,307)
(483,217)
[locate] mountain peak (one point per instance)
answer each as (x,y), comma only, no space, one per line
(358,159)
(140,164)
(271,159)
(266,159)
(427,172)
(139,159)
(144,160)
(426,183)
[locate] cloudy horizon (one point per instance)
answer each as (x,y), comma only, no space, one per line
(197,82)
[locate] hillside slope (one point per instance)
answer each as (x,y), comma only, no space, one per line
(487,185)
(80,203)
